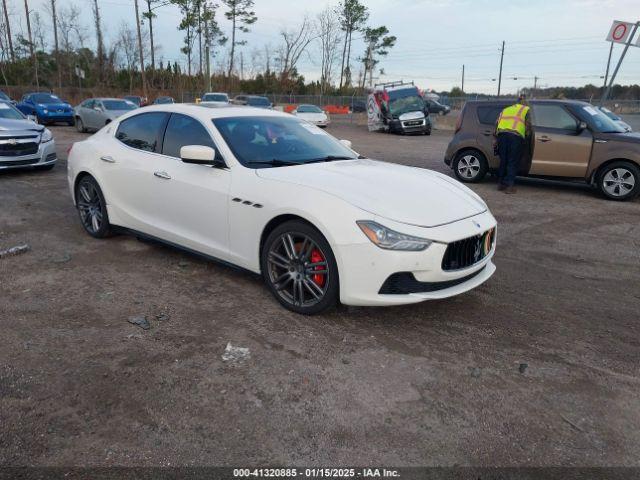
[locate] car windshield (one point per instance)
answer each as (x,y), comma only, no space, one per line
(118,105)
(9,111)
(161,100)
(258,101)
(45,98)
(215,97)
(610,114)
(601,122)
(406,104)
(259,142)
(309,109)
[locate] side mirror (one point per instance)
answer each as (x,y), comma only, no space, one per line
(200,155)
(97,109)
(33,118)
(347,143)
(582,126)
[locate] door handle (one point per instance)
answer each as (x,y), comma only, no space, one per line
(163,175)
(544,139)
(108,159)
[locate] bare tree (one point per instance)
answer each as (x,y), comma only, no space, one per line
(295,42)
(34,58)
(328,34)
(71,33)
(128,47)
(241,15)
(54,21)
(352,16)
(7,25)
(99,41)
(140,51)
(39,37)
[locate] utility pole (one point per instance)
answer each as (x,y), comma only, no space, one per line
(207,49)
(144,78)
(31,49)
(54,20)
(153,53)
(6,22)
(535,85)
(615,72)
(462,78)
(500,76)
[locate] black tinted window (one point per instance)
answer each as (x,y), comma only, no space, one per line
(489,115)
(553,116)
(142,131)
(183,130)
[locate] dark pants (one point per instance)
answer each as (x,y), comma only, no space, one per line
(510,147)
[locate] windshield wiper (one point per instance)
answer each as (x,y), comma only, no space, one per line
(331,158)
(275,163)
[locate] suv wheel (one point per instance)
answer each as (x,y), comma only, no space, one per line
(299,268)
(619,181)
(470,166)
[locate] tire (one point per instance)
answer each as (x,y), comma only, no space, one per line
(92,208)
(44,168)
(619,181)
(427,131)
(292,261)
(80,125)
(470,166)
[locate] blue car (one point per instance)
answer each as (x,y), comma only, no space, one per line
(46,108)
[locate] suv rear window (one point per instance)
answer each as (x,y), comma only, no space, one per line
(489,115)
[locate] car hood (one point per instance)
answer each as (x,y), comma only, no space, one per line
(414,196)
(115,113)
(312,116)
(9,124)
(56,106)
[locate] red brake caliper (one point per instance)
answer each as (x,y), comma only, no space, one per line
(316,257)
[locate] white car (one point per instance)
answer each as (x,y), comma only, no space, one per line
(616,119)
(312,114)
(215,98)
(272,194)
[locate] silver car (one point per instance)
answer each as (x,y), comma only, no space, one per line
(24,143)
(95,113)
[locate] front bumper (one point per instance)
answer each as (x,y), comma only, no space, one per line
(54,116)
(365,268)
(46,155)
(410,126)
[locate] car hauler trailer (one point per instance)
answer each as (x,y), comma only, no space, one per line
(397,107)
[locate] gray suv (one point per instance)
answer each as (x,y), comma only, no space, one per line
(24,143)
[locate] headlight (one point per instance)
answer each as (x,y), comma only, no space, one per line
(388,239)
(47,136)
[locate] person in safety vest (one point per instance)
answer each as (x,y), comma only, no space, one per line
(512,129)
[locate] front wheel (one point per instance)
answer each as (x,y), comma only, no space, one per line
(80,126)
(470,166)
(619,181)
(300,269)
(92,208)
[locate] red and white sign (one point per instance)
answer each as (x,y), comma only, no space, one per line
(620,31)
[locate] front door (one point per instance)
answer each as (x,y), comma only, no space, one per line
(559,149)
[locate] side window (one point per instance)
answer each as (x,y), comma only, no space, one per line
(489,115)
(183,130)
(553,116)
(142,131)
(88,104)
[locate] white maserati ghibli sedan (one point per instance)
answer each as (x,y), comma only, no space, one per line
(273,194)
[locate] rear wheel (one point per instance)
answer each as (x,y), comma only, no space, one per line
(92,208)
(470,166)
(299,268)
(80,125)
(619,181)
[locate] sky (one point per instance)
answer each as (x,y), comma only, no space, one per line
(562,42)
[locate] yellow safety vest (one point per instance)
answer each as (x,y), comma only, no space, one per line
(512,119)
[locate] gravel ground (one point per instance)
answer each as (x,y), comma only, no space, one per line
(538,366)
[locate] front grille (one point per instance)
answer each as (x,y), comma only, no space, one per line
(413,123)
(18,163)
(468,251)
(17,149)
(51,157)
(404,283)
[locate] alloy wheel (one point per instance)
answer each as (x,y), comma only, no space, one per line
(298,269)
(468,166)
(90,207)
(618,182)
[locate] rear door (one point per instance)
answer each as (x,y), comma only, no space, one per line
(559,149)
(487,116)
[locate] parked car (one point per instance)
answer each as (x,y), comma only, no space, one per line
(138,100)
(215,98)
(95,113)
(240,100)
(258,102)
(163,100)
(436,107)
(24,143)
(570,139)
(260,189)
(358,106)
(312,114)
(616,119)
(46,108)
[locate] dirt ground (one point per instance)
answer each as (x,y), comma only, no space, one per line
(538,366)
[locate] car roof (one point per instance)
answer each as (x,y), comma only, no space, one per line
(215,93)
(562,101)
(105,98)
(207,112)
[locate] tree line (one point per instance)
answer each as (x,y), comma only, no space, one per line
(59,49)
